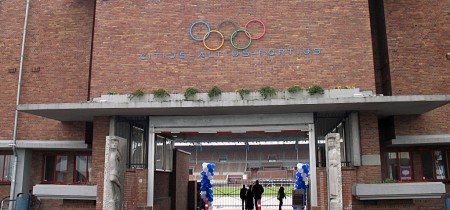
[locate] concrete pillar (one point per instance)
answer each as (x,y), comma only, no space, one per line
(23,171)
(312,166)
(151,167)
(355,139)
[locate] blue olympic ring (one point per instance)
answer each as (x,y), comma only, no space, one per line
(195,23)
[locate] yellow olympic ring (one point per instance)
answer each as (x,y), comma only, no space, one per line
(206,36)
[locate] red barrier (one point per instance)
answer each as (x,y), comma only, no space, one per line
(259,204)
(206,204)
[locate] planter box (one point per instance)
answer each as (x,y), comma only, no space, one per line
(234,96)
(386,191)
(78,192)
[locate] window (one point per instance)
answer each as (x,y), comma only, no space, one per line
(163,153)
(138,158)
(6,168)
(55,169)
(83,168)
(135,130)
(434,165)
(399,166)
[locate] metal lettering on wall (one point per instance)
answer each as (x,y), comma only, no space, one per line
(241,51)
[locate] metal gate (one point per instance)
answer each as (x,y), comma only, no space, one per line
(226,194)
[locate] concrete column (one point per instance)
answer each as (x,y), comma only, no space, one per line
(112,125)
(23,171)
(355,139)
(151,167)
(312,166)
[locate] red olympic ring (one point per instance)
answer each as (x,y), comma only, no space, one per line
(260,35)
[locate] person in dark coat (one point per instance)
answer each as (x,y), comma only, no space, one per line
(257,191)
(243,195)
(249,198)
(280,196)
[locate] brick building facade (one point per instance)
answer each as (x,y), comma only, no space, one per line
(83,58)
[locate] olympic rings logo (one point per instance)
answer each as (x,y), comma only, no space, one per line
(233,35)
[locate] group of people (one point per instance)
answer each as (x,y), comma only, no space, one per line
(253,194)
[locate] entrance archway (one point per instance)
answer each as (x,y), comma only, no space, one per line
(243,131)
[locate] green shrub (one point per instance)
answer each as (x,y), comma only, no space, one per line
(190,92)
(315,90)
(139,93)
(160,93)
(214,91)
(294,89)
(243,92)
(267,91)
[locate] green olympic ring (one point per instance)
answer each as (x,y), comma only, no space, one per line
(249,39)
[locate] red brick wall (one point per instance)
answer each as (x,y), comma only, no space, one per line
(11,24)
(417,34)
(54,204)
(56,64)
(5,190)
(433,122)
(322,188)
(348,179)
(126,29)
(101,130)
(135,194)
(370,144)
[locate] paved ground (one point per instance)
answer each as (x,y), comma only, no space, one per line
(220,203)
(265,208)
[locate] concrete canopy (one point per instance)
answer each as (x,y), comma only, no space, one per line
(385,105)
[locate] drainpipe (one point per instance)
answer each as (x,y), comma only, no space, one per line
(16,117)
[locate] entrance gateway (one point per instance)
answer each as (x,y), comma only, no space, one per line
(234,124)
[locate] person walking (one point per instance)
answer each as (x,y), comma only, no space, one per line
(280,196)
(257,191)
(243,196)
(249,198)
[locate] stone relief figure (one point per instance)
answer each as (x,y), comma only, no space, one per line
(333,158)
(114,172)
(334,172)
